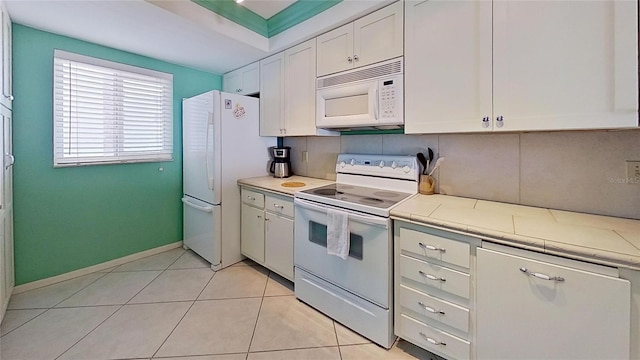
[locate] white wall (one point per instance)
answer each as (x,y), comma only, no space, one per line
(580,171)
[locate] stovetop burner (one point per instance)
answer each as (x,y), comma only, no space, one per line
(373,197)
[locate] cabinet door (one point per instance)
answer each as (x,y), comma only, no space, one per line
(252,233)
(7,97)
(379,36)
(231,82)
(335,50)
(525,317)
(272,95)
(300,102)
(565,64)
(447,66)
(278,247)
(250,79)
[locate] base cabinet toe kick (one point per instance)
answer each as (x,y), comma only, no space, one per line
(461,297)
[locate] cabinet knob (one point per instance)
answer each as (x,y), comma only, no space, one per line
(9,160)
(10,97)
(500,121)
(278,206)
(356,58)
(485,122)
(251,198)
(349,60)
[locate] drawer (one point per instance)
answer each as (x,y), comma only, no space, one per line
(279,205)
(252,198)
(433,339)
(435,247)
(435,276)
(434,308)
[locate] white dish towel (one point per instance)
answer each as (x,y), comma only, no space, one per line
(338,233)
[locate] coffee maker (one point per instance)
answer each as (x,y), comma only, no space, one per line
(281,164)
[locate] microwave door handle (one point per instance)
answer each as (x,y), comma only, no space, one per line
(369,220)
(375,105)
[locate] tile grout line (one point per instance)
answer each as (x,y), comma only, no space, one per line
(255,326)
(185,313)
(335,331)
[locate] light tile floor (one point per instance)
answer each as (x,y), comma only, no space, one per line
(172,306)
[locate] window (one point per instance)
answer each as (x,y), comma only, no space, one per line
(107,112)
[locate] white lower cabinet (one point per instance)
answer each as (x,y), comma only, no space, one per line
(541,307)
(433,289)
(266,234)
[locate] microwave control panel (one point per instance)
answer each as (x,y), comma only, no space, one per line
(388,98)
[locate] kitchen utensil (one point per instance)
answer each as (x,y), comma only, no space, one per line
(423,161)
(429,158)
(437,165)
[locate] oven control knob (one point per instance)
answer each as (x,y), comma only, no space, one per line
(343,164)
(394,165)
(381,164)
(406,168)
(352,162)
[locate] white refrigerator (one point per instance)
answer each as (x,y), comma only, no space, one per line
(221,144)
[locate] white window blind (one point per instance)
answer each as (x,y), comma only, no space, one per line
(107,112)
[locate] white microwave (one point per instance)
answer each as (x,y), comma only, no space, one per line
(371,96)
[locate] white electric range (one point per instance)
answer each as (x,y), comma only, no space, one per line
(356,292)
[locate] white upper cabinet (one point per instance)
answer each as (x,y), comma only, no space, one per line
(373,38)
(288,93)
(243,81)
(447,66)
(7,92)
(300,89)
(565,64)
(520,65)
(272,95)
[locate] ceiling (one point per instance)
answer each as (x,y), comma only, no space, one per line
(180,31)
(266,8)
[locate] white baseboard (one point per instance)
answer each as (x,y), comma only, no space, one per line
(91,269)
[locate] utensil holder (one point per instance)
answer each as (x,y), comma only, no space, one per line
(427,185)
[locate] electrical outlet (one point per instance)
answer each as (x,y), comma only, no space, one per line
(305,156)
(633,171)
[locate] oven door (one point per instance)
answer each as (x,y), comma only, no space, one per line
(367,270)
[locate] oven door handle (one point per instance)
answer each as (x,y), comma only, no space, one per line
(365,219)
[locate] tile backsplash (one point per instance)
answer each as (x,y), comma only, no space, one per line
(581,171)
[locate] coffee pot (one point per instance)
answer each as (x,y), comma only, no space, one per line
(281,164)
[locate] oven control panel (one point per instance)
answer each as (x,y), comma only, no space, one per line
(391,166)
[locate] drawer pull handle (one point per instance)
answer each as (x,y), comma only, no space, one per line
(251,198)
(431,277)
(431,247)
(278,206)
(430,309)
(433,341)
(541,276)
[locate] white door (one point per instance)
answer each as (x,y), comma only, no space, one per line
(272,95)
(202,228)
(250,75)
(335,50)
(7,181)
(198,130)
(448,82)
(278,244)
(519,316)
(378,36)
(300,87)
(252,233)
(366,271)
(565,64)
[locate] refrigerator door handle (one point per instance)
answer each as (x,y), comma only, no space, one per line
(198,207)
(206,153)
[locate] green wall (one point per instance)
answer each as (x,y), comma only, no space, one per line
(70,218)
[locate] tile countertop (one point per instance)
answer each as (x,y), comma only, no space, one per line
(270,183)
(600,239)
